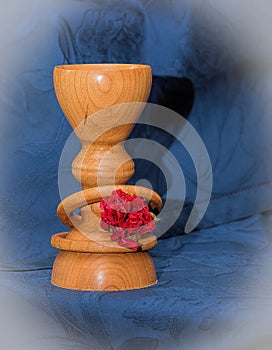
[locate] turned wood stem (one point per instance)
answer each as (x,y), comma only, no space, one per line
(88,163)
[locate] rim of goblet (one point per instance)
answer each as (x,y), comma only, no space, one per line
(102,66)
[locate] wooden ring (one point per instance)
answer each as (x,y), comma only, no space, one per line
(88,196)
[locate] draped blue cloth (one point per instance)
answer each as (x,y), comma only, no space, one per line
(205,69)
(203,296)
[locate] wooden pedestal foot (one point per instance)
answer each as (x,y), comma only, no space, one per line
(103,272)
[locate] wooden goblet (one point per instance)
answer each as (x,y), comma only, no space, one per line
(99,102)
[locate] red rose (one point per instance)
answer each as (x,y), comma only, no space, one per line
(120,236)
(123,202)
(125,215)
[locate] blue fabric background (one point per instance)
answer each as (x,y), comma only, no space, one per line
(206,69)
(218,87)
(209,283)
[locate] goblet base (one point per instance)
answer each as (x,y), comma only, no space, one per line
(103,270)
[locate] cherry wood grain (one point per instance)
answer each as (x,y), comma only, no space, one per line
(83,90)
(91,90)
(76,242)
(96,99)
(103,272)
